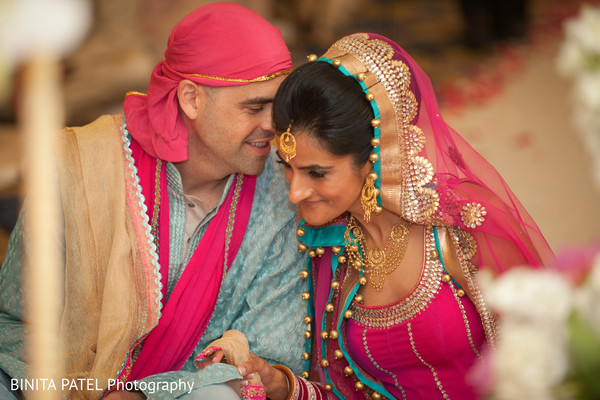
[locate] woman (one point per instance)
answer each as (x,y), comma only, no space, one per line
(398,213)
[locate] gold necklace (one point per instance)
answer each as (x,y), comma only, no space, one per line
(375,263)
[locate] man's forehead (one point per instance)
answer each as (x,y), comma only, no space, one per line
(258,92)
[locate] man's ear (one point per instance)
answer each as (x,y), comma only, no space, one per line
(191,98)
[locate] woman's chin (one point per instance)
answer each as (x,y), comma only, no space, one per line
(316,214)
(314,220)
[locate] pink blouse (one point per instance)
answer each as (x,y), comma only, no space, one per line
(422,346)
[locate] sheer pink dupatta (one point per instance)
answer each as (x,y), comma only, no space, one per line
(508,235)
(427,173)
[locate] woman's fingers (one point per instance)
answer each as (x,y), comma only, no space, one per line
(211,358)
(218,356)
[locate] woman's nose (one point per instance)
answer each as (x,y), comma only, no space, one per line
(298,190)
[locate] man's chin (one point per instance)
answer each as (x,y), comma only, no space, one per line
(254,169)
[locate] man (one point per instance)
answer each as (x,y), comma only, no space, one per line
(170,238)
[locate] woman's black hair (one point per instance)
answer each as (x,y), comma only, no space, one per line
(327,105)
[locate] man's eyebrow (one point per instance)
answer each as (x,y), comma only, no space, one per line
(257,100)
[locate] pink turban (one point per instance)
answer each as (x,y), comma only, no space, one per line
(220,44)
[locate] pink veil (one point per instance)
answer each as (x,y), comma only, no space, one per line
(427,172)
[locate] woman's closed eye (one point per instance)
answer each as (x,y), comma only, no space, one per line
(317,174)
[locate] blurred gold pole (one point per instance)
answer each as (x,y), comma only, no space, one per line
(41,117)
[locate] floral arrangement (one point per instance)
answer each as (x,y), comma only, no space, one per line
(549,345)
(579,59)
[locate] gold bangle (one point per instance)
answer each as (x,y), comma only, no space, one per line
(289,377)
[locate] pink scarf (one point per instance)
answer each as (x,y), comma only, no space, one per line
(189,309)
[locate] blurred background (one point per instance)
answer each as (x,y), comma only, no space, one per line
(494,65)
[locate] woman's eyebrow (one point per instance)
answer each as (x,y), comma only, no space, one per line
(316,166)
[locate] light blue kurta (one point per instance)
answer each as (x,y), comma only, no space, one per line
(260,294)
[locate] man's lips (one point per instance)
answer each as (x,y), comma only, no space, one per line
(260,146)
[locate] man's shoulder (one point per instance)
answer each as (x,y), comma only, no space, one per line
(271,195)
(271,182)
(96,141)
(102,132)
(104,123)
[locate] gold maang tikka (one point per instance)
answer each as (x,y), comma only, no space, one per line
(287,143)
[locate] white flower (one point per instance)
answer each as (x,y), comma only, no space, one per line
(579,58)
(530,361)
(587,89)
(571,59)
(581,50)
(525,294)
(587,297)
(531,358)
(585,30)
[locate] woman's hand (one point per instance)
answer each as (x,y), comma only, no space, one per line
(212,357)
(275,381)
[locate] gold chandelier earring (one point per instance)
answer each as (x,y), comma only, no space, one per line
(368,197)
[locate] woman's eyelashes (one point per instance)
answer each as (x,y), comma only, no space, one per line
(317,174)
(314,173)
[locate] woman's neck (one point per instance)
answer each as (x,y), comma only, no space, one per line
(378,229)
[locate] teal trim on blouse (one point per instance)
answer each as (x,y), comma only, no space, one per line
(327,236)
(439,250)
(323,236)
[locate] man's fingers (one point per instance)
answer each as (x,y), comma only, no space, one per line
(253,365)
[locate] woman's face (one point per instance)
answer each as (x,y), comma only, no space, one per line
(322,184)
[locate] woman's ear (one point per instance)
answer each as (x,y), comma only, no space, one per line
(191,98)
(366,169)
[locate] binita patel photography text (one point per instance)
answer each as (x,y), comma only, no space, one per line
(85,384)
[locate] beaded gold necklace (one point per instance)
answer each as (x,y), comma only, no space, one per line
(376,262)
